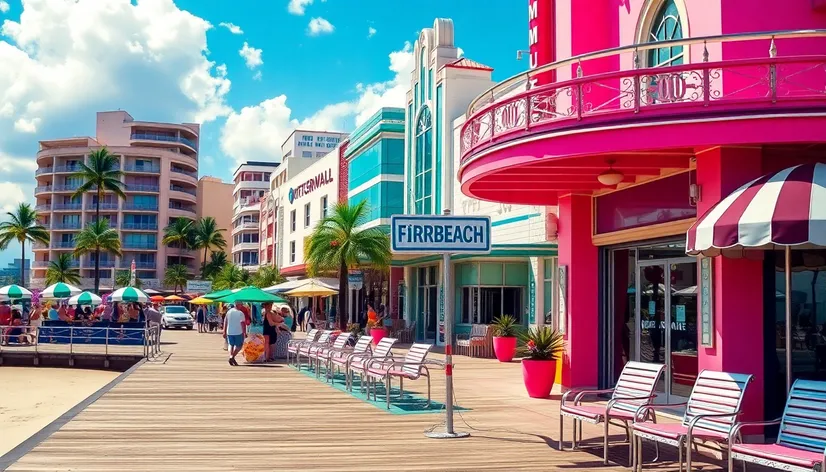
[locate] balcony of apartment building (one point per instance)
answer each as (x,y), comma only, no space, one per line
(109,204)
(139,225)
(180,175)
(141,203)
(67,206)
(245,223)
(141,165)
(183,139)
(252,180)
(246,259)
(136,242)
(107,261)
(140,184)
(186,193)
(67,224)
(112,220)
(179,209)
(140,263)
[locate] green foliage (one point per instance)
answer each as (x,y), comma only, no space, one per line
(22,226)
(267,276)
(355,330)
(505,327)
(61,270)
(100,174)
(122,279)
(179,233)
(541,343)
(176,276)
(217,261)
(97,236)
(208,237)
(231,276)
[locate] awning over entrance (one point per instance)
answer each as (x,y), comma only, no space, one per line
(787,208)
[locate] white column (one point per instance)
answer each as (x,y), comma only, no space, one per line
(538,272)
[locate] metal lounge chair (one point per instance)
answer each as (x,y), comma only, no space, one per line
(634,388)
(323,353)
(357,363)
(308,348)
(412,367)
(710,414)
(293,344)
(341,358)
(801,444)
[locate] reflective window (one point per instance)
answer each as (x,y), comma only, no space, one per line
(666,26)
(423,190)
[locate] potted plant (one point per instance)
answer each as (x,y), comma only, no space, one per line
(376,329)
(505,330)
(542,347)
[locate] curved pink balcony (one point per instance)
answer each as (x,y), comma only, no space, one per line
(643,119)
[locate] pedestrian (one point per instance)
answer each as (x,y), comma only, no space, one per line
(305,318)
(200,319)
(331,316)
(153,319)
(269,330)
(53,315)
(284,327)
(234,328)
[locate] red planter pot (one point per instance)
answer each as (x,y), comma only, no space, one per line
(504,348)
(378,334)
(538,377)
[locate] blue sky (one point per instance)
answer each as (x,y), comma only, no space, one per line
(319,64)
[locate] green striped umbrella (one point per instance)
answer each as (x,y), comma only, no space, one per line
(251,295)
(59,290)
(129,294)
(15,292)
(218,294)
(85,298)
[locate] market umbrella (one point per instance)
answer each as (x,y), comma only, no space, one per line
(174,298)
(85,298)
(15,292)
(251,295)
(311,289)
(218,294)
(780,210)
(129,294)
(156,298)
(201,301)
(60,290)
(150,291)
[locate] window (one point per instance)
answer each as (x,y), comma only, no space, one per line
(666,25)
(548,290)
(292,221)
(307,215)
(324,207)
(292,251)
(306,153)
(319,154)
(423,189)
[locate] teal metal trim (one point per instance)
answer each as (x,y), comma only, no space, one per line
(438,197)
(538,252)
(514,219)
(358,145)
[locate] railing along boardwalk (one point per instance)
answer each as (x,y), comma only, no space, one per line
(188,410)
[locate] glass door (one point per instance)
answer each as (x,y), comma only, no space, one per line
(683,327)
(651,310)
(431,318)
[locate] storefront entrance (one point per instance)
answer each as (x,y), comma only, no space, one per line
(652,314)
(428,302)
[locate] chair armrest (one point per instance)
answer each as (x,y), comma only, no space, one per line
(737,427)
(693,422)
(652,406)
(580,393)
(614,400)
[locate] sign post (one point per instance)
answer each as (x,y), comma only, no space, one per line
(444,235)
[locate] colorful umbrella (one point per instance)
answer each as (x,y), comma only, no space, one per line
(15,292)
(174,298)
(218,294)
(311,289)
(85,298)
(60,290)
(251,295)
(201,301)
(129,294)
(156,298)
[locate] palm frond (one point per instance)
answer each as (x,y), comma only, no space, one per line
(98,236)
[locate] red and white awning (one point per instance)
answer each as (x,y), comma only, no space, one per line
(787,208)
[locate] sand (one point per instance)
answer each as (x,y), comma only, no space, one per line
(33,397)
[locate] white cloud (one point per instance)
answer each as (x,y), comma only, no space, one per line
(11,195)
(4,6)
(258,131)
(257,76)
(233,28)
(65,60)
(319,26)
(371,32)
(297,7)
(460,52)
(251,55)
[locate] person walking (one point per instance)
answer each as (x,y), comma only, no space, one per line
(153,319)
(270,333)
(200,319)
(234,329)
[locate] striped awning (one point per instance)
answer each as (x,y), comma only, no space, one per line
(787,208)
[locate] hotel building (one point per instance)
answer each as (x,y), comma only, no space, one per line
(160,166)
(252,180)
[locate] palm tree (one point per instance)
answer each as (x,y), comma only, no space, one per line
(62,270)
(231,276)
(337,244)
(22,226)
(100,175)
(217,261)
(97,236)
(176,276)
(124,277)
(207,237)
(179,233)
(267,276)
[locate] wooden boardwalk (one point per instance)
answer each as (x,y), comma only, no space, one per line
(191,411)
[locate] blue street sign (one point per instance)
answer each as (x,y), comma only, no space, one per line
(442,234)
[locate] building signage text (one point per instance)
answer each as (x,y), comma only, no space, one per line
(541,40)
(443,234)
(310,185)
(310,141)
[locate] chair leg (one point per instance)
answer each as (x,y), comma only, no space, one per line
(638,446)
(680,454)
(428,392)
(573,442)
(401,387)
(387,391)
(605,444)
(687,455)
(561,431)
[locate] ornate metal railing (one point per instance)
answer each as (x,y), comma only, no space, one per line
(516,107)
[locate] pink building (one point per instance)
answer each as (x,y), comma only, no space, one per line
(160,166)
(634,142)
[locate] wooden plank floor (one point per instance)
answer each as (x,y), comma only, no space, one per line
(191,411)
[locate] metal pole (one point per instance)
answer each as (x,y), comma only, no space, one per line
(106,346)
(788,318)
(448,302)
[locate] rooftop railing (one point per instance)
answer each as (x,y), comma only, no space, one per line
(164,138)
(516,106)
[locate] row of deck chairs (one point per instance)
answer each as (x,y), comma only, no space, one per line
(372,365)
(710,416)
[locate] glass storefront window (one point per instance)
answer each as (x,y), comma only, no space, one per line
(488,290)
